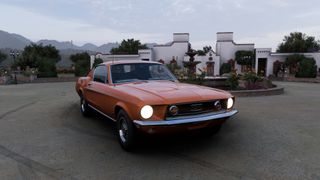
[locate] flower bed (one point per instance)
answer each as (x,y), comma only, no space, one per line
(248,84)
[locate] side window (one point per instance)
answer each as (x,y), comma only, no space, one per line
(100,74)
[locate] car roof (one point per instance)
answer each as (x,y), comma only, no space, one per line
(129,62)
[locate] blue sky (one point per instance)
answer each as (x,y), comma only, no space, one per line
(100,21)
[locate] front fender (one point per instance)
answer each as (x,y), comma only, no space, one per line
(131,110)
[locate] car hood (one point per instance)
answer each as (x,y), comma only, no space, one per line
(167,92)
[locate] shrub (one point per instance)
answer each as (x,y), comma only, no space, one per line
(233,81)
(201,77)
(225,68)
(173,67)
(81,63)
(81,68)
(252,80)
(307,68)
(47,68)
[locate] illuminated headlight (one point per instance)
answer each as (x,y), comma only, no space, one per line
(230,103)
(146,112)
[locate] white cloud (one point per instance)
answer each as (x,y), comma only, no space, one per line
(308,14)
(36,26)
(273,39)
(98,21)
(201,44)
(269,40)
(279,3)
(180,7)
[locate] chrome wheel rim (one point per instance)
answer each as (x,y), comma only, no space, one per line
(123,131)
(82,106)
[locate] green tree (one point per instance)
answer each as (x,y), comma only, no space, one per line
(47,68)
(2,56)
(292,62)
(97,61)
(201,52)
(225,68)
(44,58)
(129,46)
(204,50)
(298,42)
(81,63)
(245,58)
(307,68)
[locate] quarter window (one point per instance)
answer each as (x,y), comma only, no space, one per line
(100,74)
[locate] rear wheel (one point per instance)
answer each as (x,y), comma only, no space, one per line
(125,131)
(84,107)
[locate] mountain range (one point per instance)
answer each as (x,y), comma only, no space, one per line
(18,42)
(12,41)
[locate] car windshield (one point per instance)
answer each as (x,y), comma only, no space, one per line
(122,73)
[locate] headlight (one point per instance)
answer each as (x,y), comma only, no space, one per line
(146,112)
(230,103)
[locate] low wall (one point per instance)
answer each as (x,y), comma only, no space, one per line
(215,82)
(24,79)
(294,79)
(259,92)
(47,80)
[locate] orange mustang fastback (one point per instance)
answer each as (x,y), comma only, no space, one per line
(145,96)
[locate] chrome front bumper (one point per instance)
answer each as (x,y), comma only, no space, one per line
(187,119)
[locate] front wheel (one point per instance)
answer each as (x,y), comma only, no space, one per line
(125,131)
(84,107)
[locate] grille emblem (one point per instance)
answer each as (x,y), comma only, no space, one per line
(196,107)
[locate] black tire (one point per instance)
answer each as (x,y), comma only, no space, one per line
(210,131)
(126,131)
(84,107)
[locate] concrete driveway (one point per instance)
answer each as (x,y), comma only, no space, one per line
(44,136)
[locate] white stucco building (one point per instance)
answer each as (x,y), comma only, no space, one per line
(210,57)
(225,51)
(226,48)
(265,59)
(175,49)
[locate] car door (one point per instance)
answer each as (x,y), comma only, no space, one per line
(97,91)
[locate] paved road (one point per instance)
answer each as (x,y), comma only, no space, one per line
(43,136)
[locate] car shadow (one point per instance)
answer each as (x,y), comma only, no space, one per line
(178,142)
(99,126)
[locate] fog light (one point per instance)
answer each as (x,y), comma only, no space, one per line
(173,110)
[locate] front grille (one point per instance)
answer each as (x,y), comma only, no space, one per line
(188,109)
